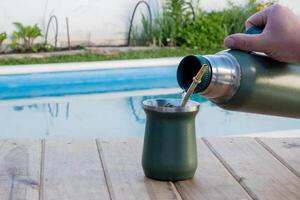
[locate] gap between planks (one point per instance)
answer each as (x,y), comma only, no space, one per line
(41,191)
(176,191)
(277,157)
(105,172)
(230,170)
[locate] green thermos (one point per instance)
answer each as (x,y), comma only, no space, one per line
(245,81)
(170,150)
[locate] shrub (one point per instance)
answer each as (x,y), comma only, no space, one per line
(3,36)
(166,28)
(146,37)
(23,38)
(182,24)
(235,16)
(43,47)
(176,15)
(206,32)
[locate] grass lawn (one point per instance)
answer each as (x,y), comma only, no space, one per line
(157,53)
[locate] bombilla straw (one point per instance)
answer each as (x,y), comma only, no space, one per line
(196,81)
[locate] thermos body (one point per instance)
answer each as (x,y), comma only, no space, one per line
(247,82)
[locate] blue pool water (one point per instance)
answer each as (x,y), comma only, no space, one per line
(119,116)
(18,86)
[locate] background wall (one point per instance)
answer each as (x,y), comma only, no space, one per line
(95,22)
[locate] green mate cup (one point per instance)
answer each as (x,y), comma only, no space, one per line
(170,149)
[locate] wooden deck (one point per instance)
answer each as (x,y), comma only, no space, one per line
(87,169)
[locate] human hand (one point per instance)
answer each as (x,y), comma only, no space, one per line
(280,38)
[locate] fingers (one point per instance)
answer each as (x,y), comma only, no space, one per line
(258,19)
(245,42)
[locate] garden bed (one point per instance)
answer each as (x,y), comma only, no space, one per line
(98,54)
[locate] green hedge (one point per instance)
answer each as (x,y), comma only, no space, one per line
(186,25)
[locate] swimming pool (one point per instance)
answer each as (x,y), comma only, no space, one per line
(108,103)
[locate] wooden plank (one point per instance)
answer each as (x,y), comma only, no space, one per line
(122,164)
(211,181)
(72,170)
(20,169)
(260,173)
(286,150)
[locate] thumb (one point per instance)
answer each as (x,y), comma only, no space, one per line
(244,42)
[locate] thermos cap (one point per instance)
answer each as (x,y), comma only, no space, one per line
(170,105)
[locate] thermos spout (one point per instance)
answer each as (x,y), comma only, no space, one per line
(221,80)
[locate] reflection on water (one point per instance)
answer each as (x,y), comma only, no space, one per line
(53,109)
(135,107)
(98,117)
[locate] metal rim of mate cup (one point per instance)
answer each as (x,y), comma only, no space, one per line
(170,149)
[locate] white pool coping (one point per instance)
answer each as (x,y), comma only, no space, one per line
(292,133)
(83,66)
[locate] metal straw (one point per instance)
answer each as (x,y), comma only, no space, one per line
(196,81)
